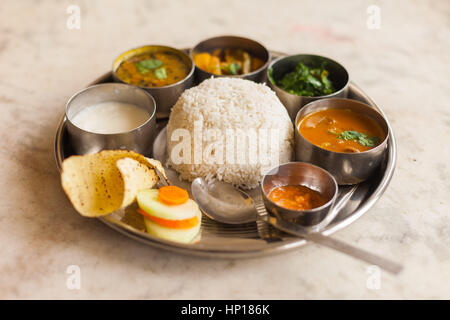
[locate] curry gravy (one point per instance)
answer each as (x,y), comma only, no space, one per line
(341,130)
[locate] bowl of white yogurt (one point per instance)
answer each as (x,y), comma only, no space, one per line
(111,116)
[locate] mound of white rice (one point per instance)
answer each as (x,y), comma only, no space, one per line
(210,132)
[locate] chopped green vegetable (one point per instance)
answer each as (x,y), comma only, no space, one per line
(361,138)
(234,68)
(161,73)
(145,66)
(305,81)
(231,68)
(270,74)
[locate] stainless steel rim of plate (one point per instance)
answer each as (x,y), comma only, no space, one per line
(224,241)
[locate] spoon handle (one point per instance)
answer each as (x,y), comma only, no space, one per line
(338,245)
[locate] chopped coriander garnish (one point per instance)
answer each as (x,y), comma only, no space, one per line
(145,66)
(362,138)
(161,73)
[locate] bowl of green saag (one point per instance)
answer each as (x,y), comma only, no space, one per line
(302,78)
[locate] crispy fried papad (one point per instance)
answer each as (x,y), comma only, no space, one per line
(136,176)
(98,184)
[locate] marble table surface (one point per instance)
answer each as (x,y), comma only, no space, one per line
(403,66)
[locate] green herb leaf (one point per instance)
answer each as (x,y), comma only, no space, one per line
(145,66)
(306,81)
(161,73)
(349,135)
(368,142)
(361,138)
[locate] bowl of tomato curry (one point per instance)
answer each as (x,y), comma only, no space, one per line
(346,137)
(299,192)
(162,71)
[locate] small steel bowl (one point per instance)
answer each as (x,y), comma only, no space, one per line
(293,103)
(139,139)
(166,96)
(251,46)
(347,168)
(305,174)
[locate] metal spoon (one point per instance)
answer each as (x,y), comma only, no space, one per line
(224,203)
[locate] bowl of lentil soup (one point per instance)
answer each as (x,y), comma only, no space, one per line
(162,71)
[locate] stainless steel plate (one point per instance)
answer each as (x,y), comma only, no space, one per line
(240,241)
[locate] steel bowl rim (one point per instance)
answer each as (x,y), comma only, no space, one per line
(80,92)
(381,146)
(264,66)
(329,203)
(337,92)
(179,51)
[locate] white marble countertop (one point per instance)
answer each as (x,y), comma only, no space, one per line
(403,66)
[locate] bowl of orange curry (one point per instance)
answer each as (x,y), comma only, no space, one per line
(346,137)
(299,192)
(162,71)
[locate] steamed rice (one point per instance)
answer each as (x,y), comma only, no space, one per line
(218,104)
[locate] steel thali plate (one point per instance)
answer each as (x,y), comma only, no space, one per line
(243,241)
